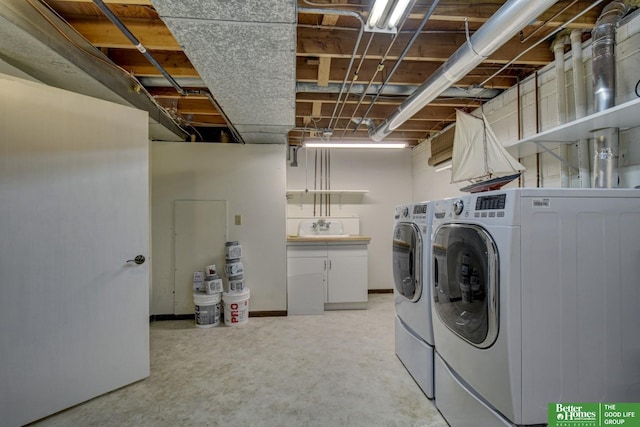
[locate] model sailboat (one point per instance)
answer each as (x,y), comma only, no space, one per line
(479,157)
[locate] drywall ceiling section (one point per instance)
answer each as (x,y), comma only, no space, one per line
(244,50)
(29,43)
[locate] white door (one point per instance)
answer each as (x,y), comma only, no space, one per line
(74,207)
(347,280)
(306,285)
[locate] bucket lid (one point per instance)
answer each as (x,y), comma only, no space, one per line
(200,298)
(236,295)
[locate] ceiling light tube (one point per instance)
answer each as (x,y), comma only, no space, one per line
(376,12)
(334,144)
(398,11)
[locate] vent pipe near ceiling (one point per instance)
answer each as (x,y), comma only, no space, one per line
(605,165)
(502,26)
(558,52)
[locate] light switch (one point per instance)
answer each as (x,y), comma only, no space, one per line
(238,219)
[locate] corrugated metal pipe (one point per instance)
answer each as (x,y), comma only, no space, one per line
(512,17)
(605,164)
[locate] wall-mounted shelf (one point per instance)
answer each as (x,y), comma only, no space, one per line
(299,192)
(302,197)
(623,116)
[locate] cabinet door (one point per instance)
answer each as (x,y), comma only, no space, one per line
(347,276)
(306,285)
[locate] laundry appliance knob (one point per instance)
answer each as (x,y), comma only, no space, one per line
(458,207)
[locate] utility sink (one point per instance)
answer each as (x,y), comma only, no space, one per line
(321,228)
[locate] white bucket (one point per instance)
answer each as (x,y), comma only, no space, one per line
(236,308)
(207,310)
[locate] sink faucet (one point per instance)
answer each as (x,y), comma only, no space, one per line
(321,225)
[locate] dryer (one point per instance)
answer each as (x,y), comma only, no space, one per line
(411,260)
(535,301)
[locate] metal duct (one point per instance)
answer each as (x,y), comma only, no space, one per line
(558,52)
(579,93)
(503,25)
(245,52)
(605,165)
(392,90)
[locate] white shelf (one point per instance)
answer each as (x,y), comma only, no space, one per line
(623,116)
(302,192)
(303,197)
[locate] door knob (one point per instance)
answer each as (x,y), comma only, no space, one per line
(138,260)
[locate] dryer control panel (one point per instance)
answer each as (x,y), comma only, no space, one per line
(490,205)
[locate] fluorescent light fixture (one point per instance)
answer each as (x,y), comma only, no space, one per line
(334,144)
(444,168)
(386,14)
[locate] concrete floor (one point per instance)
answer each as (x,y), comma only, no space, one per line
(336,369)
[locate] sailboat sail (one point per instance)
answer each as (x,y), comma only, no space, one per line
(477,152)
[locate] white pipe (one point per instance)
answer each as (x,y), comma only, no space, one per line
(512,17)
(558,52)
(580,98)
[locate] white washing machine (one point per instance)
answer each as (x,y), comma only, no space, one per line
(411,260)
(536,300)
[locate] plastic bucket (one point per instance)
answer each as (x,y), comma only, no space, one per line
(236,308)
(207,310)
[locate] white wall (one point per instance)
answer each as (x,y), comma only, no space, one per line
(386,174)
(502,114)
(251,178)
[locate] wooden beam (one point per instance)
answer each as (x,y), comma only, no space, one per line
(170,93)
(316,109)
(427,48)
(408,126)
(127,2)
(324,68)
(100,32)
(408,73)
(378,112)
(176,63)
(188,105)
(331,99)
(330,20)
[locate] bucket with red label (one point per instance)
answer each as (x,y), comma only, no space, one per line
(236,307)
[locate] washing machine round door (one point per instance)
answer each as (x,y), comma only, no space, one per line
(465,282)
(407,261)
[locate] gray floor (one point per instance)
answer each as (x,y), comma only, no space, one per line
(336,369)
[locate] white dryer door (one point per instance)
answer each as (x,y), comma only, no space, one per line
(407,261)
(465,282)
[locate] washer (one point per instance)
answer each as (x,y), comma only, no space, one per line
(411,259)
(535,301)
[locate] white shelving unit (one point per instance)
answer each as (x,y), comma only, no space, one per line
(623,116)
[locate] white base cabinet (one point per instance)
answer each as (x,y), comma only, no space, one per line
(328,275)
